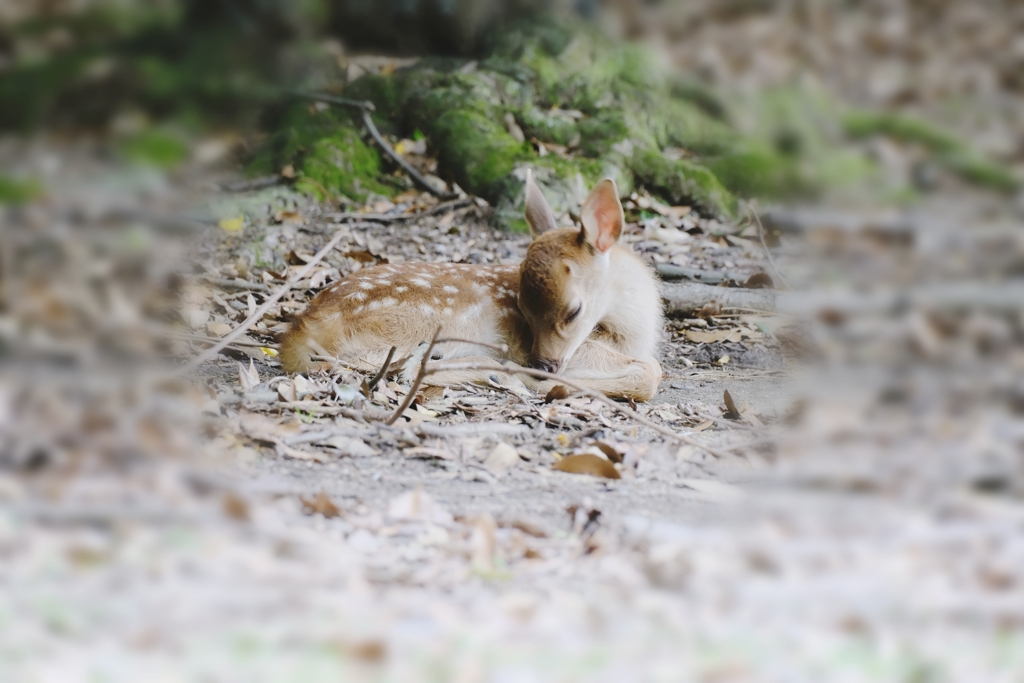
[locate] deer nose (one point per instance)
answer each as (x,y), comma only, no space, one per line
(544,364)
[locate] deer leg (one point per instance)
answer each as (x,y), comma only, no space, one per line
(444,378)
(601,368)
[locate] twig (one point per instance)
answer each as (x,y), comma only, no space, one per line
(253,184)
(365,106)
(515,369)
(262,310)
(416,383)
(200,338)
(389,217)
(767,251)
(237,284)
(383,370)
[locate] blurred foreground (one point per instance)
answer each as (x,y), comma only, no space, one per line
(237,524)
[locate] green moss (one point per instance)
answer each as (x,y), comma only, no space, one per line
(949,150)
(476,148)
(760,172)
(682,181)
(16,191)
(548,126)
(155,147)
(327,153)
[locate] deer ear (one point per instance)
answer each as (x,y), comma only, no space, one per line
(539,216)
(602,216)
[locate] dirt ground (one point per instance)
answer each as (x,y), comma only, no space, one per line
(863,523)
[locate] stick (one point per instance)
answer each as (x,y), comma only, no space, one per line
(388,218)
(225,283)
(365,106)
(416,383)
(261,311)
(767,251)
(413,173)
(383,370)
(596,395)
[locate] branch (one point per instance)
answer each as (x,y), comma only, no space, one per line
(262,310)
(366,107)
(383,370)
(515,369)
(413,173)
(416,383)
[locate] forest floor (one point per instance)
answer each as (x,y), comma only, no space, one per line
(861,516)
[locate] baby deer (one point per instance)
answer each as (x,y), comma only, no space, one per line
(579,305)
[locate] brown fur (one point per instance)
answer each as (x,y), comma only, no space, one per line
(609,345)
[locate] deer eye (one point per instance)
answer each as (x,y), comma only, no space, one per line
(575,314)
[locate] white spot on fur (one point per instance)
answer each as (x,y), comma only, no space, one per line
(359,309)
(382,303)
(384,283)
(427,309)
(447,311)
(419,282)
(358,296)
(366,285)
(401,288)
(449,301)
(436,300)
(449,288)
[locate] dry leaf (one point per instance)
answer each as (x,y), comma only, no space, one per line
(557,393)
(235,507)
(723,360)
(759,281)
(587,463)
(356,448)
(233,224)
(706,424)
(501,459)
(713,336)
(731,412)
(248,378)
(321,505)
(218,329)
(288,172)
(612,454)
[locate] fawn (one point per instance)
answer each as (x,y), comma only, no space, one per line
(579,305)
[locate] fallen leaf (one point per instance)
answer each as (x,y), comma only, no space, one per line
(612,454)
(288,172)
(289,217)
(232,224)
(321,505)
(235,507)
(248,378)
(759,281)
(268,351)
(356,448)
(706,424)
(709,310)
(710,337)
(723,360)
(587,463)
(557,393)
(731,412)
(218,329)
(502,459)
